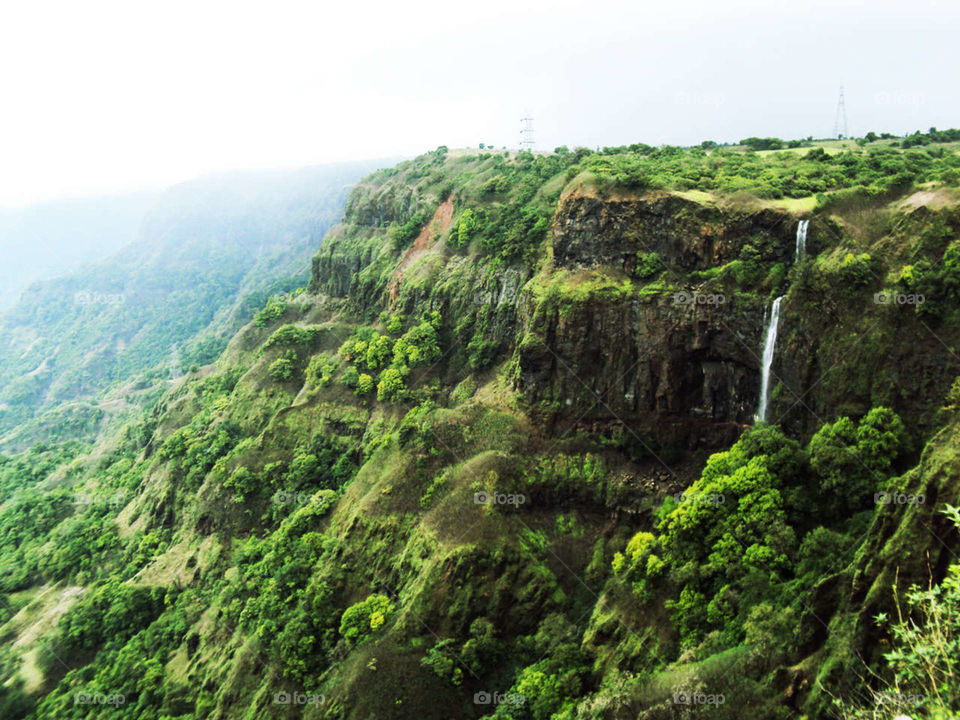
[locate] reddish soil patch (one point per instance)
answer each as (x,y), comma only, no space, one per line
(438,224)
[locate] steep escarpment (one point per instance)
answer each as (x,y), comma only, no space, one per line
(684,348)
(650,309)
(499,460)
(692,233)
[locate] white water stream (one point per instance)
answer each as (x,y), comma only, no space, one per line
(769,345)
(801,240)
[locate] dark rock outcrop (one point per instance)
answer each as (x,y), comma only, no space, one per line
(590,231)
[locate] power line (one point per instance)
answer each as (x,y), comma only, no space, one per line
(841,120)
(527,141)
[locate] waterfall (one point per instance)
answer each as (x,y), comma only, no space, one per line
(769,344)
(801,240)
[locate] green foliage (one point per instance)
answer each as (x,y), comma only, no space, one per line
(649,264)
(770,175)
(351,377)
(293,335)
(771,633)
(551,686)
(395,324)
(403,234)
(193,450)
(851,461)
(391,387)
(364,618)
(284,367)
(28,468)
(747,526)
(639,562)
(562,478)
(757,143)
(245,492)
(857,271)
(732,521)
(277,599)
(420,345)
(368,348)
(273,310)
(937,282)
(442,660)
(467,227)
(80,545)
(321,369)
(15,704)
(112,612)
(365,384)
(626,171)
(495,185)
(481,352)
(920,679)
(215,387)
(932,136)
(379,350)
(327,463)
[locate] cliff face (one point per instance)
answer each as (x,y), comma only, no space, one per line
(678,362)
(688,235)
(677,373)
(680,365)
(675,355)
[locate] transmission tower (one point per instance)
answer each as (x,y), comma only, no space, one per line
(841,122)
(526,133)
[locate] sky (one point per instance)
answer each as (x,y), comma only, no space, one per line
(112,96)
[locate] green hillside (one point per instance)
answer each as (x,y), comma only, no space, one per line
(499,459)
(85,350)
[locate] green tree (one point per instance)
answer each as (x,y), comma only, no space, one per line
(420,345)
(367,616)
(284,367)
(391,386)
(364,384)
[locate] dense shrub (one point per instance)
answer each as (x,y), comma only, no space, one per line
(362,619)
(391,386)
(851,461)
(273,310)
(293,335)
(284,367)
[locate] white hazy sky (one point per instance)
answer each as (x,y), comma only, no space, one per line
(104,96)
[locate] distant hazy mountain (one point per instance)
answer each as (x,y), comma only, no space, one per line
(208,255)
(40,242)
